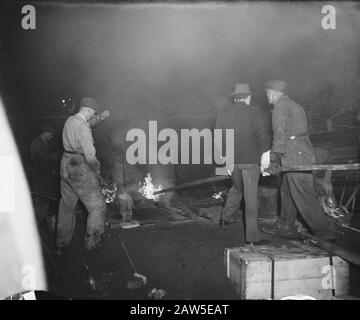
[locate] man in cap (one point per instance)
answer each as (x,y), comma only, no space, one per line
(291,146)
(44,171)
(80,179)
(251,140)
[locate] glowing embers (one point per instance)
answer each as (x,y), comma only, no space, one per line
(221,195)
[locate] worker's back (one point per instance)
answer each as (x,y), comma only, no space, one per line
(291,137)
(250,136)
(74,128)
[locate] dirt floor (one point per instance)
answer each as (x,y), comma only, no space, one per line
(184,258)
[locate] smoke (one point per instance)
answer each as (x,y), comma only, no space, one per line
(147,61)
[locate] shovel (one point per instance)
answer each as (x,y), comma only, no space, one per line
(139,279)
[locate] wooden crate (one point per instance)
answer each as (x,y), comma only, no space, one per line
(267,272)
(249,272)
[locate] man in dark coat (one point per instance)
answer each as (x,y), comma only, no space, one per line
(292,146)
(45,163)
(250,141)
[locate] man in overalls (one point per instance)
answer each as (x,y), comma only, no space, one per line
(80,179)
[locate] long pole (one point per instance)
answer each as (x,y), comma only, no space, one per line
(318,167)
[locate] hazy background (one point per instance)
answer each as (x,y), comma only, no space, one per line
(170,60)
(176,62)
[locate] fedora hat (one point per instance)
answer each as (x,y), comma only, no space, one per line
(241,89)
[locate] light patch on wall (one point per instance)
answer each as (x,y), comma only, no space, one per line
(7,184)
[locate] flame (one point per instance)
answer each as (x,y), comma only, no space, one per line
(147,189)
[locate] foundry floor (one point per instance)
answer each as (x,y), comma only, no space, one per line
(184,258)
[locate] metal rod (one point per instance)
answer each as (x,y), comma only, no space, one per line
(318,167)
(347,227)
(193,183)
(132,265)
(352,196)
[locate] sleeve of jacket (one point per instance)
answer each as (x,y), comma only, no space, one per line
(262,136)
(279,118)
(87,145)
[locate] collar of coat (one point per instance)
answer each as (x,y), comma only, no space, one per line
(284,96)
(82,118)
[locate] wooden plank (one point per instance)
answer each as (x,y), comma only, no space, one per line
(333,249)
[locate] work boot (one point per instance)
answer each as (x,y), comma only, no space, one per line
(97,242)
(289,235)
(261,242)
(282,232)
(91,246)
(225,223)
(270,230)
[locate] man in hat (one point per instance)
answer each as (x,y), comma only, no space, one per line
(80,179)
(251,140)
(45,161)
(291,146)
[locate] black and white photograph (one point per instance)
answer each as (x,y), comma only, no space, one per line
(193,153)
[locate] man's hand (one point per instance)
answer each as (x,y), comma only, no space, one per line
(103,115)
(98,118)
(275,164)
(265,163)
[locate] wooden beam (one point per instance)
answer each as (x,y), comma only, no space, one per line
(333,249)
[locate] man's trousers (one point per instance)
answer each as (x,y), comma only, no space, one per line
(79,181)
(245,183)
(298,194)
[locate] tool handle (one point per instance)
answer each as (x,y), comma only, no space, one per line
(128,256)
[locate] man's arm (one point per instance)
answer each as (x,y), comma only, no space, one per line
(87,145)
(280,114)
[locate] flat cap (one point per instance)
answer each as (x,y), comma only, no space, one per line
(277,85)
(90,103)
